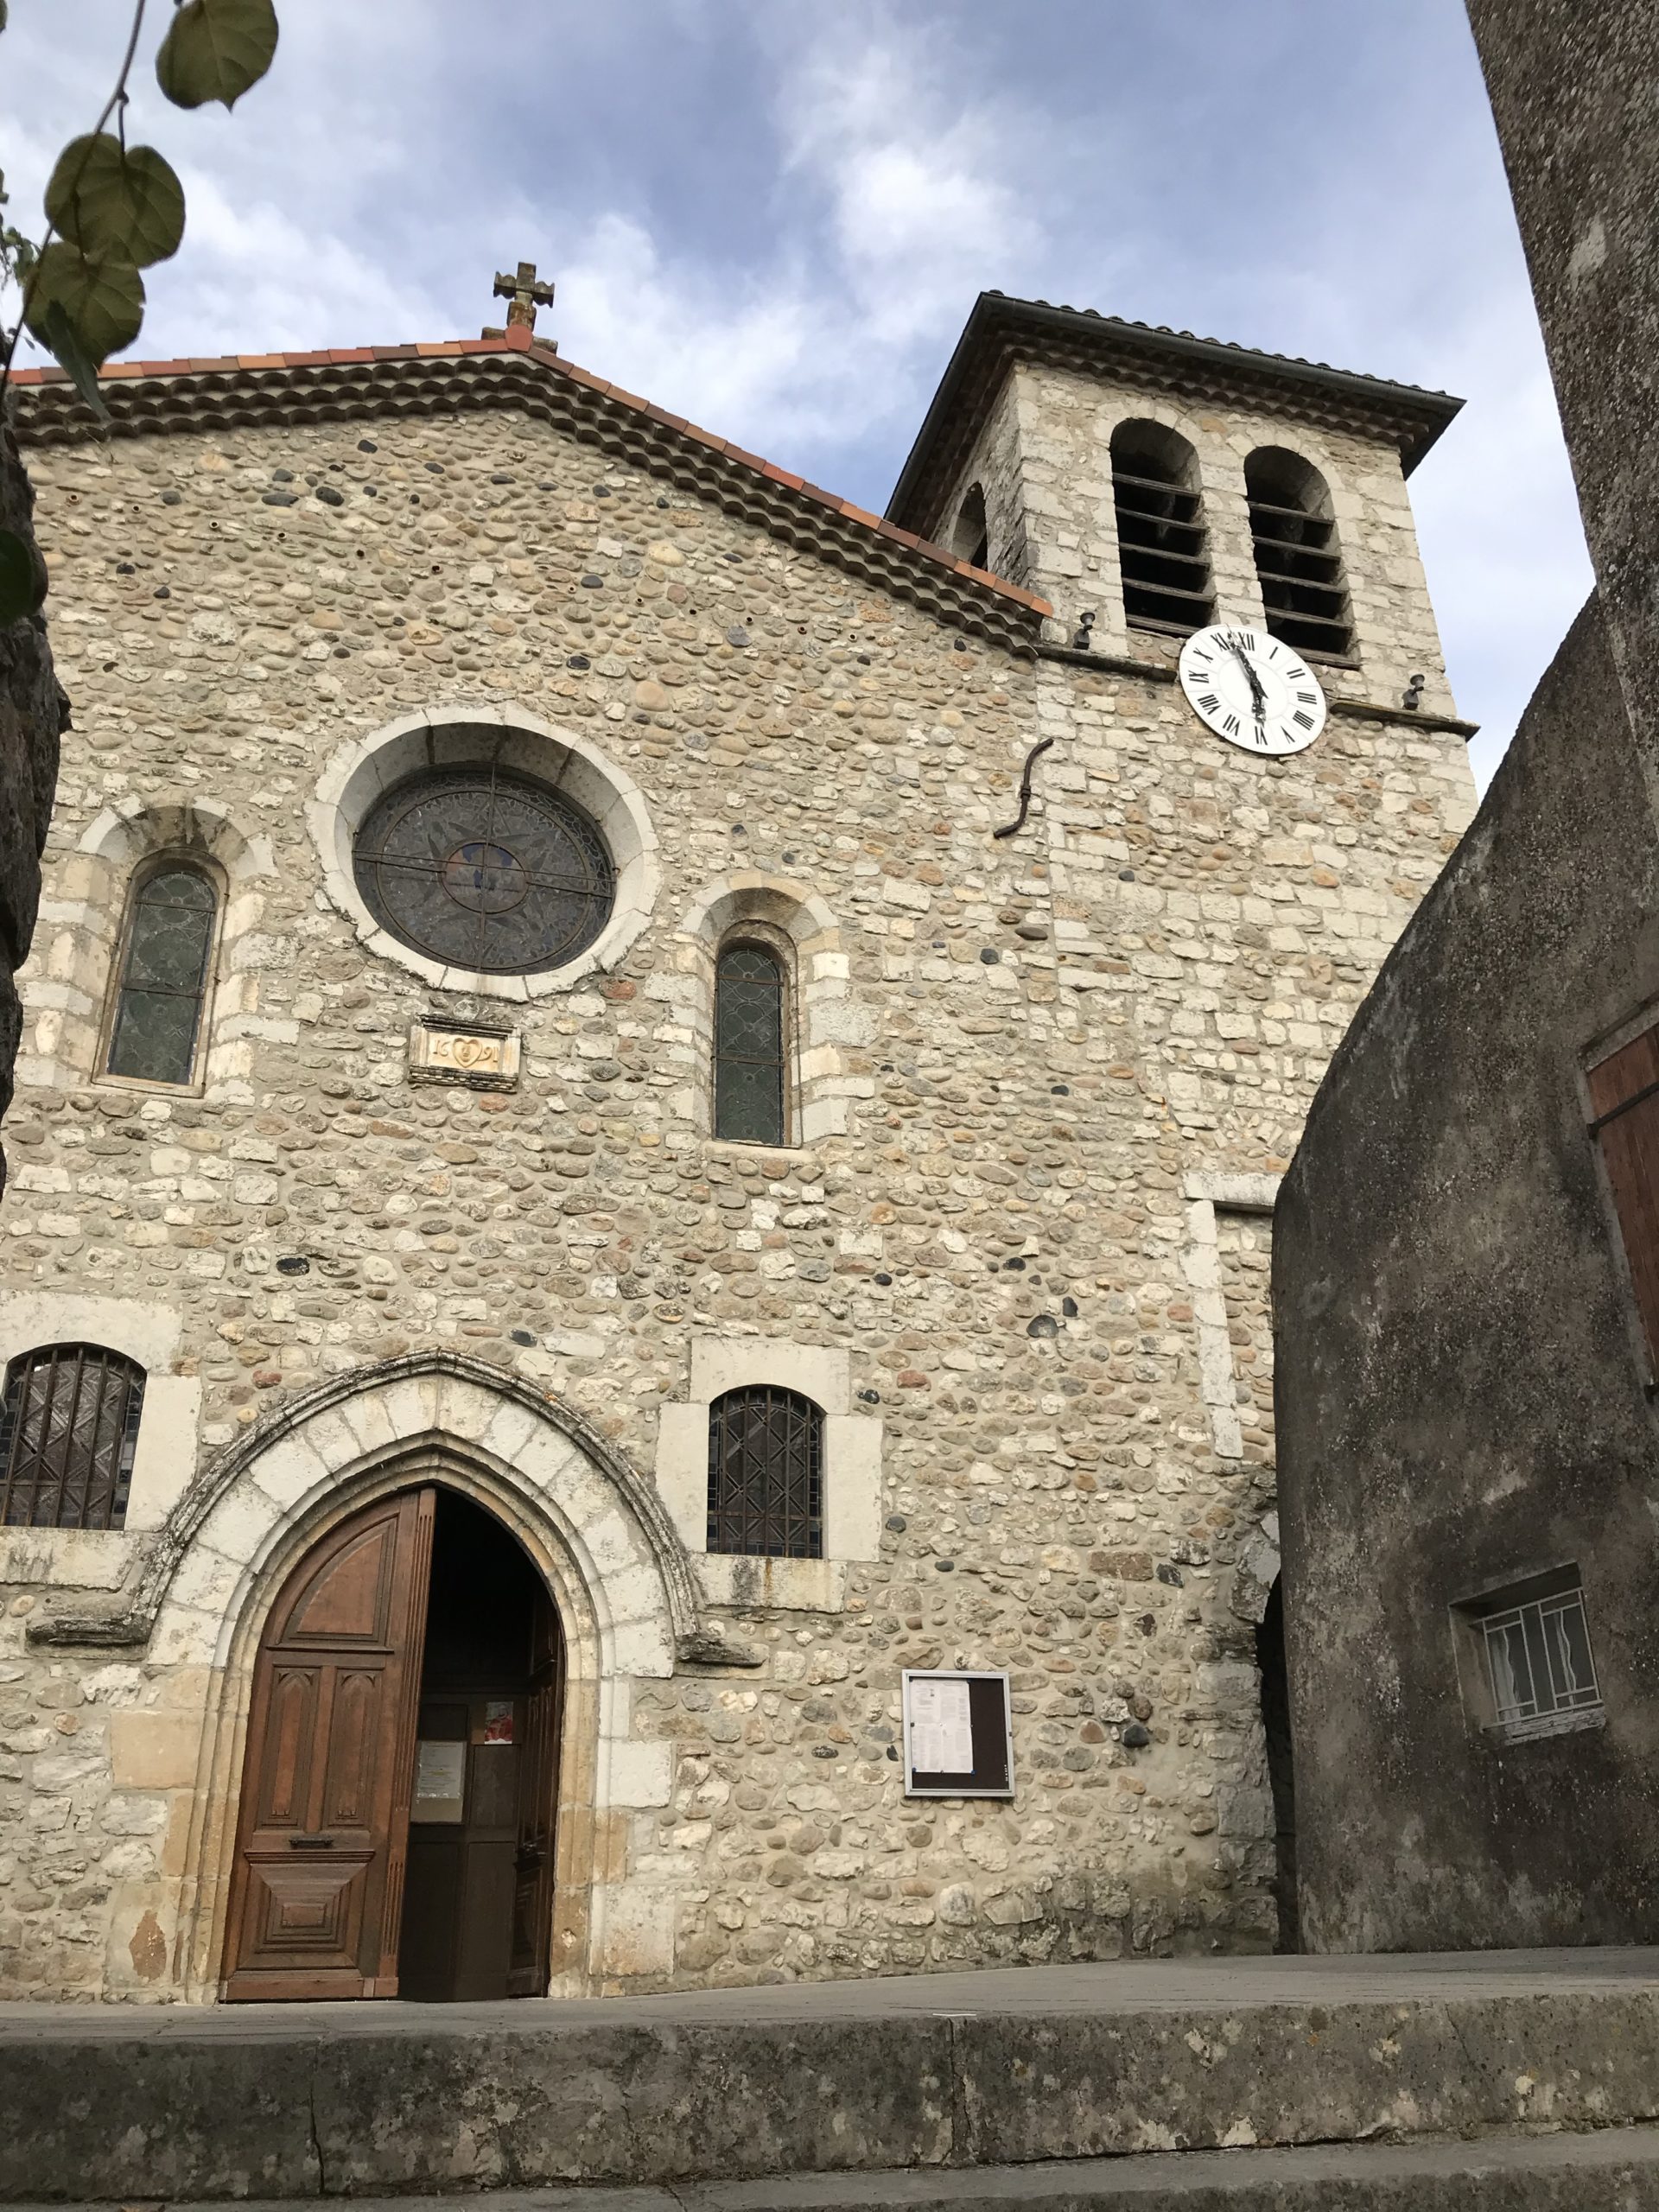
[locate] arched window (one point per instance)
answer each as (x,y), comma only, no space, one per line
(1163,548)
(1298,560)
(766,1478)
(750,1062)
(69,1428)
(970,539)
(167,944)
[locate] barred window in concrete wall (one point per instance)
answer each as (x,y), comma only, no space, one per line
(751,1051)
(1298,559)
(1163,545)
(167,945)
(68,1429)
(766,1474)
(1625,1103)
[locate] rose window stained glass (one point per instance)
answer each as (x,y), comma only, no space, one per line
(485,871)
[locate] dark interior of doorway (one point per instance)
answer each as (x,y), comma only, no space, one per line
(1282,1777)
(488,1621)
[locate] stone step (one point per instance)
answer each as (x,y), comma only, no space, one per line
(1614,2170)
(976,2070)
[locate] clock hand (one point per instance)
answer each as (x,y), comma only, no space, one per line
(1258,697)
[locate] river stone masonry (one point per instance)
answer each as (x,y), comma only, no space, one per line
(1016,1054)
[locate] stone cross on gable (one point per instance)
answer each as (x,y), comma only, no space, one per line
(523,295)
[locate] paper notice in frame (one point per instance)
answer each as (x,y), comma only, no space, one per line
(958,1738)
(440,1781)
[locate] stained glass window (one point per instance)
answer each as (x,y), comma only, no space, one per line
(765,1479)
(163,976)
(749,1088)
(485,871)
(68,1429)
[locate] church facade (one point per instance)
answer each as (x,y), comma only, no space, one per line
(643,1160)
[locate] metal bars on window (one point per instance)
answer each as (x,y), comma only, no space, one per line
(751,1092)
(765,1480)
(1539,1658)
(158,1005)
(68,1429)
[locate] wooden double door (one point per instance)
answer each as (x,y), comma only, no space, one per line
(396,1827)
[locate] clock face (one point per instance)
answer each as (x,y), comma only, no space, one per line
(1252,690)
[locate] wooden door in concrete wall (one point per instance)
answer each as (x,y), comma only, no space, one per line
(322,1834)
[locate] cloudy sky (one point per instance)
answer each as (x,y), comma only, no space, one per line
(773,216)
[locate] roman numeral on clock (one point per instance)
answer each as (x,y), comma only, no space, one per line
(1304,721)
(1210,702)
(1232,725)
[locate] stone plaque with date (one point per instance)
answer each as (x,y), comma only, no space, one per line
(485,1058)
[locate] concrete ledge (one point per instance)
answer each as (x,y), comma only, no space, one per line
(950,2071)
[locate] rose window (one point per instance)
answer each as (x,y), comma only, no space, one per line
(484,871)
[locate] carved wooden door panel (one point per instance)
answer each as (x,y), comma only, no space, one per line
(538,1797)
(323,1828)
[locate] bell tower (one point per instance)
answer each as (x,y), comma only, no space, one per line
(1154,482)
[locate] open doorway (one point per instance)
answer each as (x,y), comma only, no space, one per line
(481,1810)
(1281,1776)
(395,1834)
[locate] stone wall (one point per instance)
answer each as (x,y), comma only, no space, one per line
(1024,1047)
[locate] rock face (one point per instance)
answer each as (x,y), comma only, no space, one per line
(32,715)
(1017,1247)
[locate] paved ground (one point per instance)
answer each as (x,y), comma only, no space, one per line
(1132,1986)
(1617,2168)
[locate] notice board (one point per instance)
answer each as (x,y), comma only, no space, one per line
(958,1735)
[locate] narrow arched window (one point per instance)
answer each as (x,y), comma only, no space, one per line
(971,540)
(751,1070)
(766,1474)
(68,1429)
(156,1028)
(1298,559)
(1163,547)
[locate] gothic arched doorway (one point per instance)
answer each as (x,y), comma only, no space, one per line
(395,1832)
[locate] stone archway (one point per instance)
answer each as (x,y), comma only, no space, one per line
(594,1532)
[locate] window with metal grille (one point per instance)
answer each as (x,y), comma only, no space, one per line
(167,945)
(765,1482)
(1298,560)
(1625,1103)
(483,870)
(1538,1656)
(751,1059)
(1163,546)
(68,1429)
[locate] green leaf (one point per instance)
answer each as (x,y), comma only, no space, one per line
(23,572)
(59,333)
(102,300)
(215,49)
(4,12)
(116,204)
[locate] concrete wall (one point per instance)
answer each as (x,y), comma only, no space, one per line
(1016,1057)
(1459,1384)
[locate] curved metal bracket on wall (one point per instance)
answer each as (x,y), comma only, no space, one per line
(1031,757)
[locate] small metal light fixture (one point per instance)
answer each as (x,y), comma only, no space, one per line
(1083,642)
(1413,692)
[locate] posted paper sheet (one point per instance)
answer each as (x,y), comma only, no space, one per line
(941,1728)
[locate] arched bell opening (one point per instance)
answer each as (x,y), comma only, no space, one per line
(395,1832)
